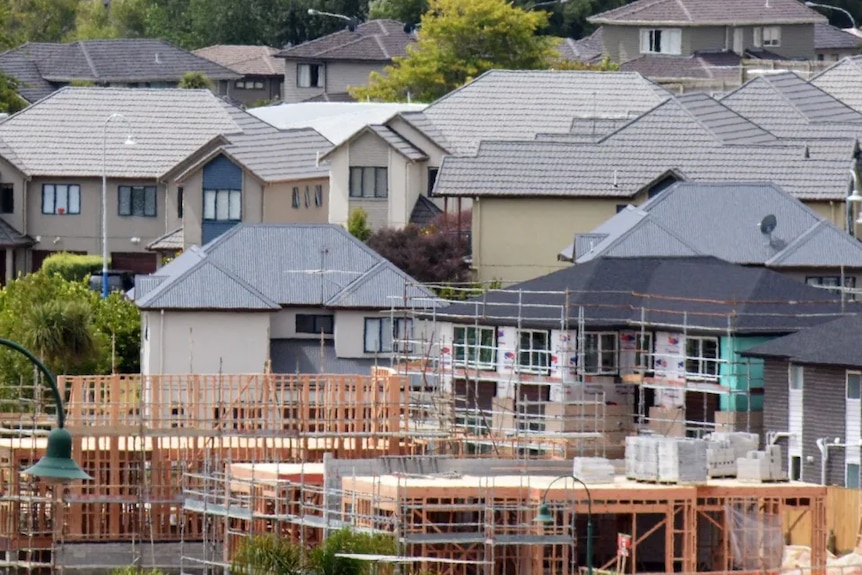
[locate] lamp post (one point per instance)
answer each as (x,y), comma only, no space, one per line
(57,464)
(830,7)
(548,3)
(352,21)
(544,516)
(129,141)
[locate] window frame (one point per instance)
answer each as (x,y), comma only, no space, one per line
(857,374)
(539,358)
(231,193)
(294,200)
(379,172)
(319,323)
(307,197)
(301,83)
(400,330)
(466,351)
(433,172)
(145,190)
(67,211)
(600,352)
(7,195)
(652,38)
(318,195)
(645,350)
(796,377)
(701,359)
(180,200)
(847,474)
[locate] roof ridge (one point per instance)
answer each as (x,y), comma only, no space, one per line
(682,6)
(793,246)
(88,58)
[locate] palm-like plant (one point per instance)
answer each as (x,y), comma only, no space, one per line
(61,332)
(267,555)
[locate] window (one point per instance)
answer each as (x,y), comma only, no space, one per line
(661,41)
(368,182)
(795,467)
(600,352)
(315,323)
(379,334)
(318,195)
(854,385)
(239,84)
(767,36)
(851,475)
(257,85)
(294,202)
(644,358)
(797,377)
(701,357)
(309,76)
(180,202)
(222,205)
(61,199)
(7,199)
(137,201)
(475,347)
(307,196)
(534,352)
(432,179)
(833,283)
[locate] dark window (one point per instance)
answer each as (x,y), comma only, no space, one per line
(309,76)
(382,336)
(61,199)
(307,197)
(432,179)
(661,186)
(701,357)
(318,195)
(795,468)
(180,202)
(475,346)
(7,199)
(223,205)
(295,200)
(369,182)
(600,352)
(535,351)
(317,324)
(137,201)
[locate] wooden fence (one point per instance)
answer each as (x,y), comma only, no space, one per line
(842,516)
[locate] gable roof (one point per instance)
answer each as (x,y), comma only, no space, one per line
(375,41)
(709,12)
(722,220)
(518,104)
(42,67)
(245,60)
(390,137)
(284,265)
(703,293)
(827,36)
(716,66)
(836,342)
(843,80)
(587,49)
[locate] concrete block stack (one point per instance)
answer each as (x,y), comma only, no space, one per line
(761,466)
(724,449)
(666,459)
(593,470)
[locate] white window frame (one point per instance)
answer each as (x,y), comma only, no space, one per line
(796,377)
(644,352)
(858,376)
(469,351)
(214,202)
(375,340)
(304,76)
(767,37)
(702,361)
(538,358)
(661,41)
(601,339)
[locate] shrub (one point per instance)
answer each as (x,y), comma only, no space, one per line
(71,267)
(357,225)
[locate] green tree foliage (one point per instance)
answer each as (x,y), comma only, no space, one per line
(268,554)
(407,11)
(61,332)
(323,560)
(39,20)
(72,267)
(357,224)
(195,81)
(459,41)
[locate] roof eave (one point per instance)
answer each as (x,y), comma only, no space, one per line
(689,24)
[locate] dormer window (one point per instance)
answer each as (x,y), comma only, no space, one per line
(767,37)
(661,41)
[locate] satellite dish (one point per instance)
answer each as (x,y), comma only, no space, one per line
(767,224)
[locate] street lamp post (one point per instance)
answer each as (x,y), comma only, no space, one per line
(352,21)
(545,516)
(547,3)
(129,141)
(57,464)
(830,7)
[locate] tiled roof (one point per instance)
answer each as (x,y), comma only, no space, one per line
(318,265)
(827,36)
(709,12)
(588,49)
(722,220)
(309,356)
(245,60)
(702,292)
(424,211)
(62,135)
(843,81)
(10,237)
(718,66)
(169,242)
(518,104)
(398,143)
(340,97)
(836,342)
(41,66)
(376,41)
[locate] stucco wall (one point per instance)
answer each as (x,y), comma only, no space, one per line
(278,203)
(283,323)
(292,93)
(337,77)
(204,342)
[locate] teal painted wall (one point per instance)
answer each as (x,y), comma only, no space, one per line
(740,373)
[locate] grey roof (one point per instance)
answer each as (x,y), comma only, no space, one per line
(264,265)
(304,356)
(10,237)
(836,342)
(843,81)
(424,211)
(588,49)
(703,293)
(709,12)
(43,67)
(722,220)
(279,156)
(62,134)
(722,67)
(171,241)
(827,36)
(518,104)
(245,60)
(376,41)
(398,143)
(728,126)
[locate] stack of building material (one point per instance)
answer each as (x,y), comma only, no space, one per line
(682,460)
(724,449)
(761,466)
(593,470)
(632,444)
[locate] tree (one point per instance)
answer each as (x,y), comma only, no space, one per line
(323,560)
(195,81)
(267,554)
(459,41)
(39,20)
(407,11)
(428,255)
(61,332)
(357,224)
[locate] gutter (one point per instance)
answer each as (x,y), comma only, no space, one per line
(823,446)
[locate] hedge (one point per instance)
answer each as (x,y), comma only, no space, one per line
(72,267)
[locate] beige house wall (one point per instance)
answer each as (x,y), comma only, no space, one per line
(338,77)
(278,203)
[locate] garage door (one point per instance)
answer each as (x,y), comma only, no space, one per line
(140,263)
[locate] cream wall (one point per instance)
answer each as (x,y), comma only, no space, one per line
(83,232)
(283,323)
(204,342)
(337,78)
(278,203)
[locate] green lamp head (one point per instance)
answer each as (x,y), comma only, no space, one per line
(57,466)
(544,515)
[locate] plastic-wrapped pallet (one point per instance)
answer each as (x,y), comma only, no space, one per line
(682,460)
(593,470)
(647,458)
(753,467)
(632,447)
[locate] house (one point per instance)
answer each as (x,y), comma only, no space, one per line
(564,184)
(658,335)
(650,28)
(748,224)
(832,44)
(323,69)
(812,400)
(296,298)
(261,72)
(42,67)
(387,168)
(843,81)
